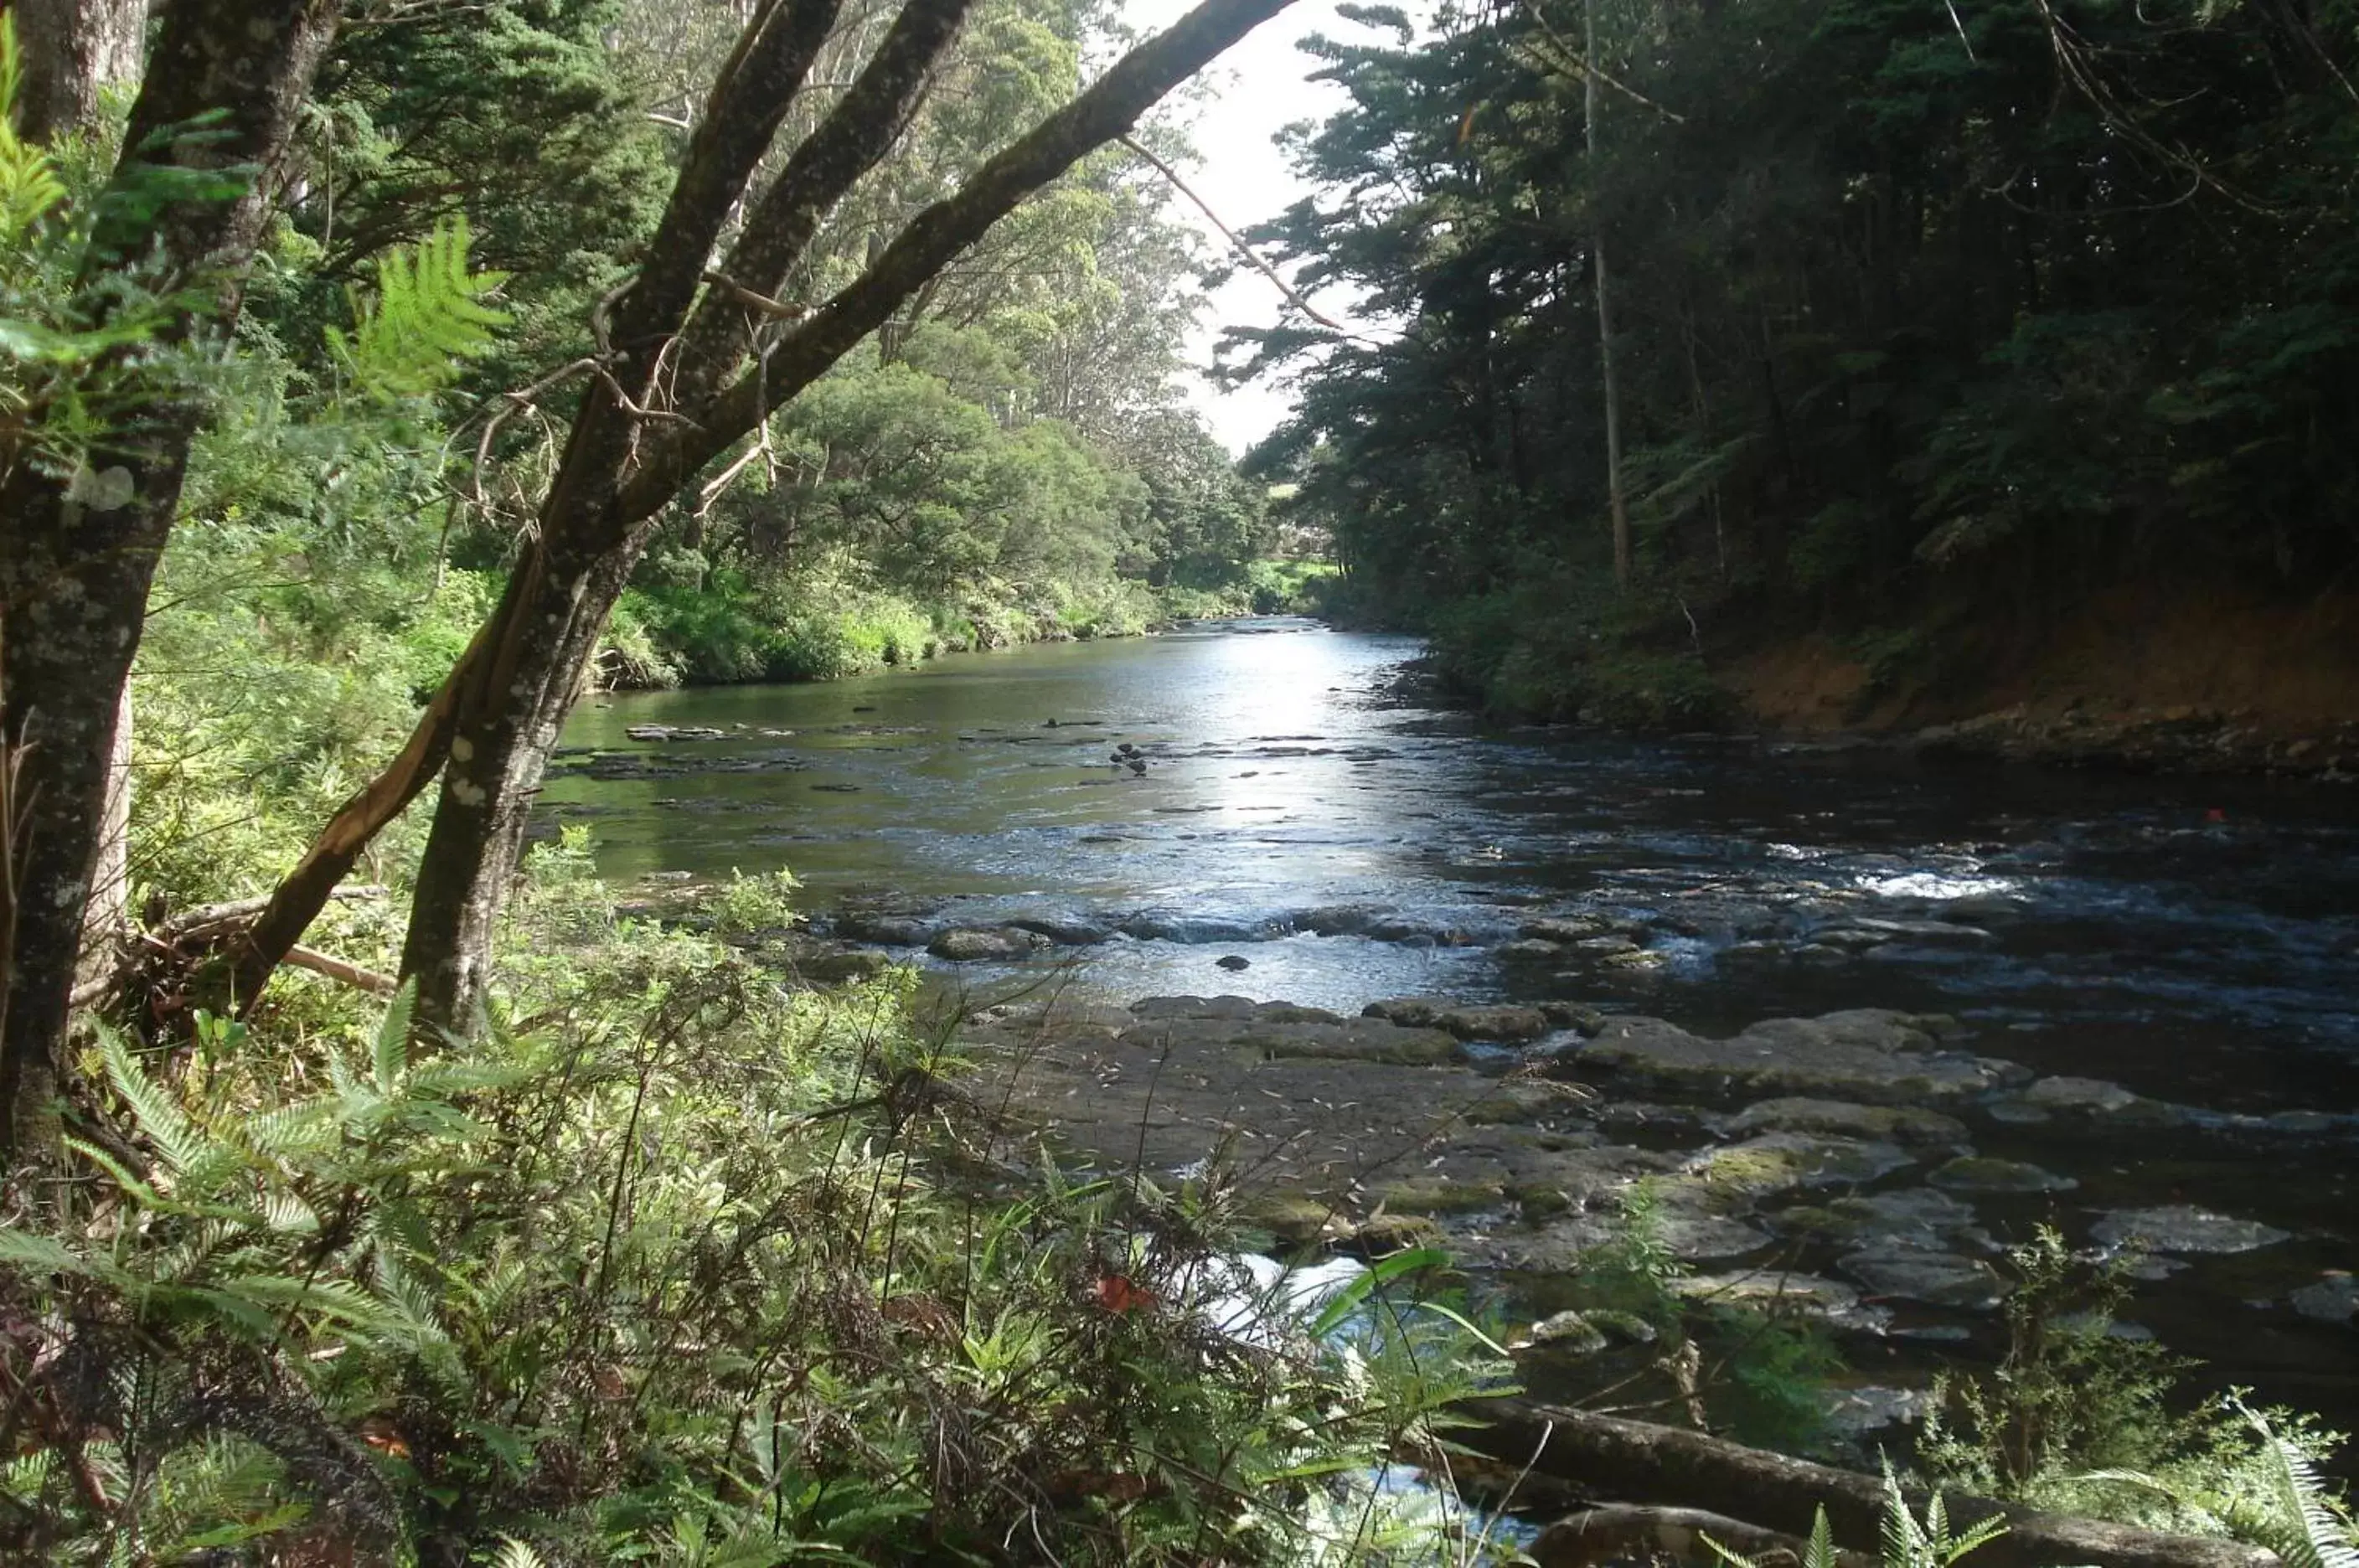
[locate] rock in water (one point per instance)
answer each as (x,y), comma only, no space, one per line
(2334,1300)
(964,945)
(1231,961)
(2181,1227)
(1976,1173)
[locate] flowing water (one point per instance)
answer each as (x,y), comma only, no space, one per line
(2194,940)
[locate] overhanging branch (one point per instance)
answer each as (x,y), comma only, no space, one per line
(935,237)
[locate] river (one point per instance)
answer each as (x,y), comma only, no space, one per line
(2194,940)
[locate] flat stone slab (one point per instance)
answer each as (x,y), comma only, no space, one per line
(2181,1227)
(992,944)
(1919,1218)
(1771,1290)
(1840,1118)
(1780,1162)
(1869,1056)
(1976,1173)
(1513,1025)
(1935,1278)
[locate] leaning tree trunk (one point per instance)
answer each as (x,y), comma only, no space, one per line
(78,552)
(624,464)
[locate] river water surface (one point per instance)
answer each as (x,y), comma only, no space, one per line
(2196,941)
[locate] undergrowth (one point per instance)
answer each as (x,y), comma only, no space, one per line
(676,1265)
(2080,1418)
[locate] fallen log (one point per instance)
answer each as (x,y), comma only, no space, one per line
(1635,1461)
(1626,1532)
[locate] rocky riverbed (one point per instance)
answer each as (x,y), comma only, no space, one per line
(1866,1167)
(2131,994)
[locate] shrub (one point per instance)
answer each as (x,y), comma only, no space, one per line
(667,1267)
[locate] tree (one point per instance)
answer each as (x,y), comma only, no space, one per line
(694,352)
(177,222)
(74,51)
(666,396)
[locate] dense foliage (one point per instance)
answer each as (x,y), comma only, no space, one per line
(677,1265)
(1931,321)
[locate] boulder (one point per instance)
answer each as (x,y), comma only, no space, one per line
(1530,952)
(1000,944)
(1914,1218)
(1780,1162)
(1195,1008)
(886,929)
(1515,1025)
(2334,1300)
(662,733)
(1065,930)
(1778,1292)
(1340,919)
(845,963)
(1353,1040)
(1585,1021)
(1562,930)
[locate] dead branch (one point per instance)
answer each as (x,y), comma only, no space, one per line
(1237,243)
(1625,1532)
(337,969)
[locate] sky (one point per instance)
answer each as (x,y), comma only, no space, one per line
(1257,90)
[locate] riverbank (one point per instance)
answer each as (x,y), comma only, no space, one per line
(2135,681)
(725,628)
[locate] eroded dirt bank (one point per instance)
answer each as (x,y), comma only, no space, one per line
(2135,678)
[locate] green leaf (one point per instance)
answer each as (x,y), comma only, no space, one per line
(392,1053)
(427,315)
(1347,1301)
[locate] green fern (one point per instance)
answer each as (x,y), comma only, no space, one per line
(29,187)
(1909,1542)
(515,1553)
(1819,1553)
(2295,1514)
(429,314)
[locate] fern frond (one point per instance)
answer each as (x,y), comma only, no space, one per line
(392,1053)
(29,187)
(2309,1533)
(178,1143)
(515,1553)
(1822,1551)
(1727,1554)
(39,1254)
(427,315)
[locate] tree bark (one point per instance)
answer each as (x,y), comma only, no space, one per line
(846,145)
(623,464)
(77,553)
(72,52)
(1617,499)
(1635,1461)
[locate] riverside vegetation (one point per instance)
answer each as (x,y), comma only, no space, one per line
(512,1226)
(1948,357)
